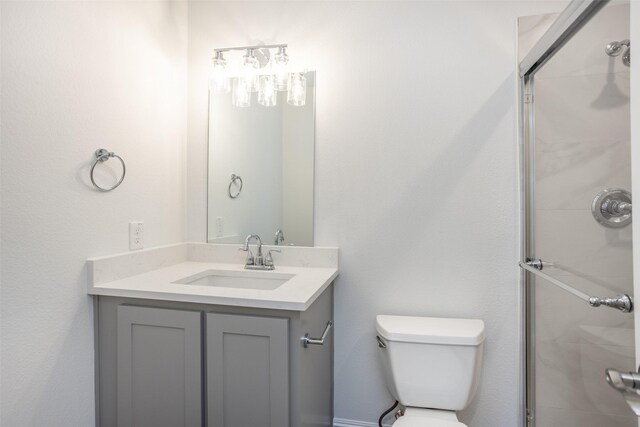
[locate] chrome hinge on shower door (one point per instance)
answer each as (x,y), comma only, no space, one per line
(528,98)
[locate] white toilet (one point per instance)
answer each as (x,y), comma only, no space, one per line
(432,366)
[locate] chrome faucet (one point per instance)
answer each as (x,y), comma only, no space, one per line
(279,237)
(258,262)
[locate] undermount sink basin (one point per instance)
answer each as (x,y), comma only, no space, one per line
(264,280)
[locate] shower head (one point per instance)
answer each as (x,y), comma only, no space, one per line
(615,49)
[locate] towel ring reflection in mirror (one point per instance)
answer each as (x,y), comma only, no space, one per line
(102,155)
(234,179)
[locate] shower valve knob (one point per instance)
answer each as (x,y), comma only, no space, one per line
(612,207)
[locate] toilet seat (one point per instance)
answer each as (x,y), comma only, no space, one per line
(417,417)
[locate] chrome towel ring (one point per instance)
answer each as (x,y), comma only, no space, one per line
(235,178)
(102,155)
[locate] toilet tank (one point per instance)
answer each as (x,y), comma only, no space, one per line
(431,362)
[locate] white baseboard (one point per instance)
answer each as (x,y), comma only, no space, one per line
(343,422)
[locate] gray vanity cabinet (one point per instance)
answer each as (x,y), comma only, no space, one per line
(181,364)
(158,367)
(247,371)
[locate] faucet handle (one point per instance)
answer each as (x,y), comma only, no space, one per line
(268,261)
(250,259)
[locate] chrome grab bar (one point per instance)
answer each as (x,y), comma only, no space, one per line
(306,340)
(622,302)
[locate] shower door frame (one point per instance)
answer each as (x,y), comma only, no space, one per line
(568,23)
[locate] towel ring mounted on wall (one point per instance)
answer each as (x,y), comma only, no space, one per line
(235,178)
(102,155)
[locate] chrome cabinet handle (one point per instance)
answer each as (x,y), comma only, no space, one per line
(306,340)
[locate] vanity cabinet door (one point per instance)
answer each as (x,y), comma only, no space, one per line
(159,367)
(247,371)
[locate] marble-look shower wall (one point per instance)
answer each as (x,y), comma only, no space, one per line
(582,123)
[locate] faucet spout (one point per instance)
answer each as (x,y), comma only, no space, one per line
(245,247)
(279,237)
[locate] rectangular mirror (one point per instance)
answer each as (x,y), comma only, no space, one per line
(261,169)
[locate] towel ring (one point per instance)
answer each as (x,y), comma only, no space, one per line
(235,178)
(102,155)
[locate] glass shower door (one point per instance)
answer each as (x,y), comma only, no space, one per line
(579,149)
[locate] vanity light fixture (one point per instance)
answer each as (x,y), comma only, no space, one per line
(259,72)
(267,94)
(241,95)
(220,79)
(280,61)
(250,66)
(297,89)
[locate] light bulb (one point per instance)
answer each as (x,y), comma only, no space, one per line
(267,94)
(250,65)
(241,96)
(297,90)
(280,69)
(219,79)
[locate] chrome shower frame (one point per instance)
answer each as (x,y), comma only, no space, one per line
(569,22)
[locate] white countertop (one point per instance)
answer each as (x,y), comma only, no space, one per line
(149,274)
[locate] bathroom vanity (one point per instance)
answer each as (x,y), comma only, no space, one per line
(186,337)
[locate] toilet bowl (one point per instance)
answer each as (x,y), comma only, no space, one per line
(416,417)
(431,366)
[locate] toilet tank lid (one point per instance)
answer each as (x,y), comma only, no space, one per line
(430,330)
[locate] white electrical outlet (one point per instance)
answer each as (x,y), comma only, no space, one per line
(136,235)
(219,226)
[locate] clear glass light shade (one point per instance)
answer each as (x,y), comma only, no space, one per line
(241,96)
(220,82)
(297,90)
(250,66)
(267,94)
(281,70)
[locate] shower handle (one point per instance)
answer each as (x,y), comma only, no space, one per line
(622,381)
(612,207)
(616,207)
(628,384)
